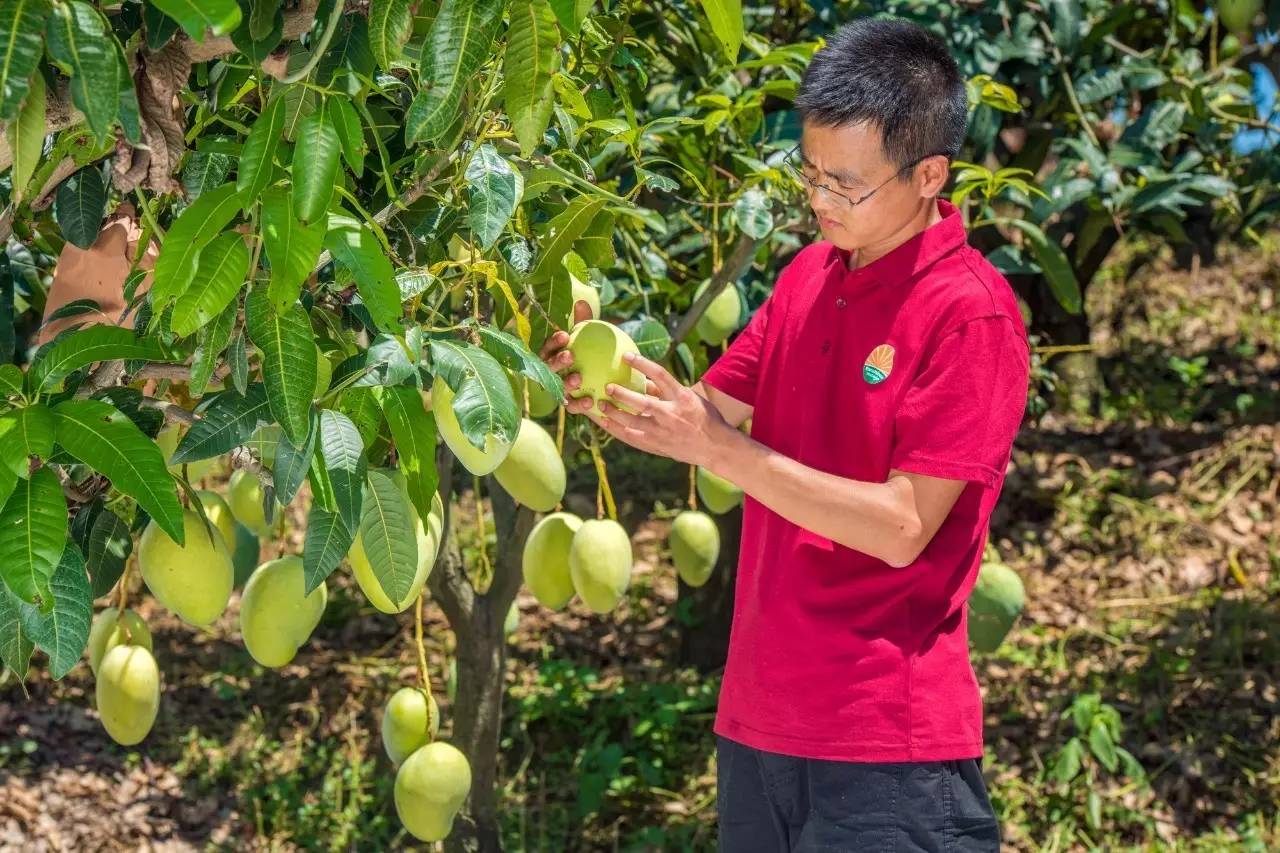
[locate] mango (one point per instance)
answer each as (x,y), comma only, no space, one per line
(428,546)
(244,496)
(597,349)
(167,440)
(994,605)
(541,403)
(219,515)
(533,472)
(695,546)
(193,580)
(128,693)
(276,616)
(478,461)
(111,629)
(722,317)
(1237,15)
(600,563)
(716,493)
(430,787)
(545,560)
(410,721)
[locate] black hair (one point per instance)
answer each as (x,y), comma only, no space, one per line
(895,76)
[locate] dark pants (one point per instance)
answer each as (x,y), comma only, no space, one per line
(772,803)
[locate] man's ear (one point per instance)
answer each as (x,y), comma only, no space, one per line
(931,175)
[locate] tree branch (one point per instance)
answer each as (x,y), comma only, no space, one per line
(730,271)
(448,580)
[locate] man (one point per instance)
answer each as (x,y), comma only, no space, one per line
(886,377)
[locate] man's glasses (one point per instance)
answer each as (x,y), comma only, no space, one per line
(790,159)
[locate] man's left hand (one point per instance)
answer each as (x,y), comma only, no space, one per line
(670,420)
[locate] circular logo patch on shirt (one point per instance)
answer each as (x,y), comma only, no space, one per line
(878,365)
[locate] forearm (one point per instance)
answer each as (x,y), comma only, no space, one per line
(879,519)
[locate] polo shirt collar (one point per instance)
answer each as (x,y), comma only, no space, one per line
(915,255)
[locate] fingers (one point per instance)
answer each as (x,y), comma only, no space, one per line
(613,413)
(668,387)
(560,361)
(579,405)
(637,402)
(619,430)
(552,344)
(581,311)
(572,381)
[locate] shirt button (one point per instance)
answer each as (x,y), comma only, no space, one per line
(840,303)
(826,346)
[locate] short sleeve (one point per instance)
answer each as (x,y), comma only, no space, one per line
(737,370)
(958,419)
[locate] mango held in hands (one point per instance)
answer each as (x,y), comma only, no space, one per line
(276,617)
(193,580)
(695,546)
(428,546)
(244,496)
(597,349)
(410,721)
(545,560)
(717,493)
(430,788)
(111,629)
(128,693)
(533,472)
(600,563)
(994,605)
(476,460)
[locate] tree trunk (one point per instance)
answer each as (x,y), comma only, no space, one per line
(477,622)
(704,641)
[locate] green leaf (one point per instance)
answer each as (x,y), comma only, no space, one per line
(414,430)
(227,423)
(595,246)
(1098,84)
(1093,810)
(33,535)
(218,17)
(204,171)
(289,469)
(1065,16)
(570,13)
(316,152)
(213,339)
(555,297)
(257,157)
(561,233)
(348,64)
(456,47)
(63,631)
(752,213)
(81,44)
(194,229)
(86,346)
(327,541)
(262,18)
(27,132)
(1102,746)
(342,450)
(292,247)
(1067,763)
(160,27)
(355,247)
(100,436)
(10,380)
(495,193)
(384,520)
(350,133)
(220,273)
(650,336)
(484,403)
(511,352)
(22,25)
(390,23)
(24,433)
(726,22)
(79,206)
(15,647)
(109,546)
(1053,263)
(238,360)
(532,57)
(261,28)
(288,360)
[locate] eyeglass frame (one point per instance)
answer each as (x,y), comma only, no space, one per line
(799,172)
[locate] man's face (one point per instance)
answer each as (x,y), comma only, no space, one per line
(850,160)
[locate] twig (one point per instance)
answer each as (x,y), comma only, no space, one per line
(730,271)
(173,413)
(318,50)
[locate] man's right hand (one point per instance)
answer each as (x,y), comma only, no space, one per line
(560,359)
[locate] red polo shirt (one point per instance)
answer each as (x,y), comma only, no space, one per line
(917,362)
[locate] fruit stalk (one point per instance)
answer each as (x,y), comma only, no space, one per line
(604,489)
(486,569)
(693,487)
(422,650)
